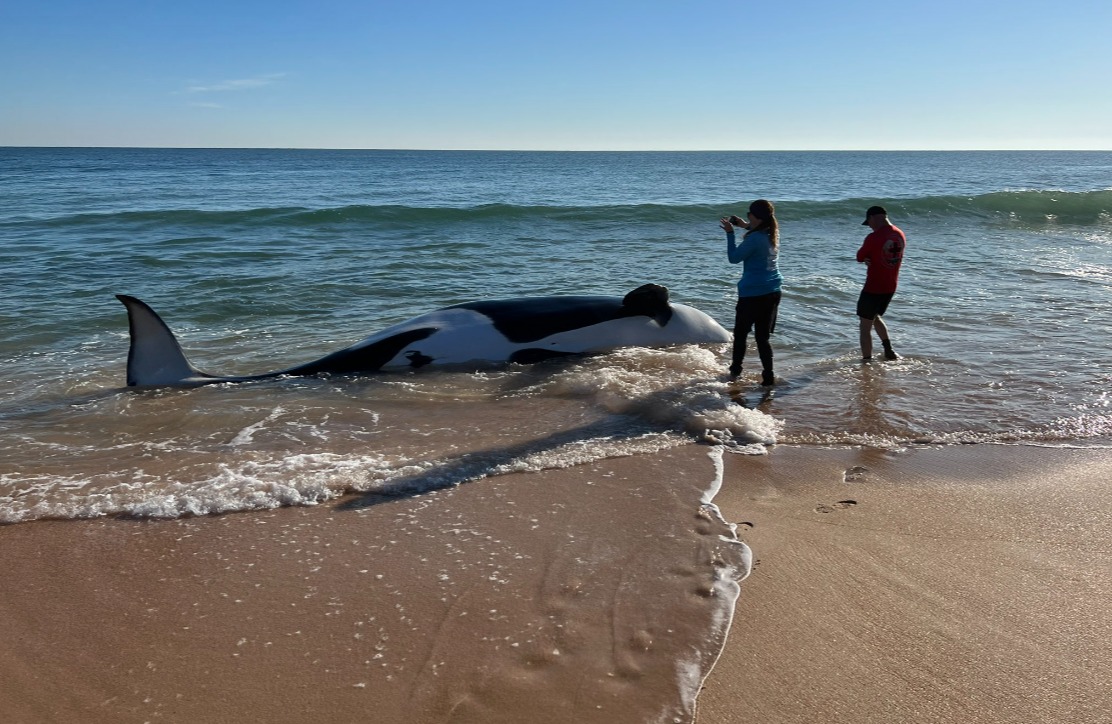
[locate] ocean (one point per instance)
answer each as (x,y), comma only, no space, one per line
(264,259)
(487,542)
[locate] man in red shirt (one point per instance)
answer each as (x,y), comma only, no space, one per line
(882,252)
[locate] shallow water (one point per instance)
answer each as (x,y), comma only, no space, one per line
(259,260)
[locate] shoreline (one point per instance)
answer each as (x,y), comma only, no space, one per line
(956,584)
(598,593)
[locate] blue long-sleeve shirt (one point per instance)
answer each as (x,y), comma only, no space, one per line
(759,273)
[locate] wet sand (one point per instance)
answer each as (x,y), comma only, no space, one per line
(600,593)
(965,584)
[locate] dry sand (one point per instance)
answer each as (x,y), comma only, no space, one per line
(964,584)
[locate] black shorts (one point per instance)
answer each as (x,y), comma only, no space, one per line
(871,306)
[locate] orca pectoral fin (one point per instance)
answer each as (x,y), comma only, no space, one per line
(365,358)
(155,357)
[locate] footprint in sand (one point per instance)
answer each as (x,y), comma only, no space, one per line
(855,474)
(840,505)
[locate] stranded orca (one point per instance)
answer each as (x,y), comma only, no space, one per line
(523,330)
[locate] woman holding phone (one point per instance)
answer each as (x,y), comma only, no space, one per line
(758,290)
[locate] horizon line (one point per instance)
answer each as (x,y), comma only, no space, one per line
(569,150)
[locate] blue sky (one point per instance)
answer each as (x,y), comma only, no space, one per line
(594,75)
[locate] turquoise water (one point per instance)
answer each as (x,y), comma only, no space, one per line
(264,259)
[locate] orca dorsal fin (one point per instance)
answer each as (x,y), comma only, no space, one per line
(155,357)
(650,300)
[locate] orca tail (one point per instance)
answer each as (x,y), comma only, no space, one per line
(155,357)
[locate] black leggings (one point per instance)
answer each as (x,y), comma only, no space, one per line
(759,314)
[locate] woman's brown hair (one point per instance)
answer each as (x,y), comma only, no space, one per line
(765,213)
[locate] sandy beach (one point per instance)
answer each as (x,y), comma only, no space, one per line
(958,584)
